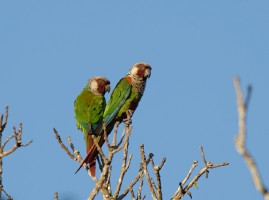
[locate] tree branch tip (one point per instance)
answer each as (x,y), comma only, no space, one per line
(201,149)
(189,193)
(151,155)
(225,163)
(18,143)
(236,79)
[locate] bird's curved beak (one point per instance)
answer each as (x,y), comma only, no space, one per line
(147,72)
(107,88)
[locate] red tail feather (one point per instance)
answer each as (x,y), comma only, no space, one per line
(91,157)
(93,167)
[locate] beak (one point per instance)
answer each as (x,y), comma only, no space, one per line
(107,88)
(147,72)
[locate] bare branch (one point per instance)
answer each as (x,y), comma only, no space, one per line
(157,169)
(58,138)
(139,191)
(131,185)
(103,183)
(7,195)
(240,139)
(194,164)
(17,135)
(125,165)
(181,191)
(205,162)
(3,120)
(180,188)
(56,196)
(116,126)
(145,169)
(105,135)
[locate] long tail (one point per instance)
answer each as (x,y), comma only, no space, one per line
(92,155)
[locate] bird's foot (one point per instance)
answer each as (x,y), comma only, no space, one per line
(128,120)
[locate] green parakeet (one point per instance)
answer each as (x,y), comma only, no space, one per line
(89,107)
(125,96)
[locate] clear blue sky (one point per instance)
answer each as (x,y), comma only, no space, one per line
(49,49)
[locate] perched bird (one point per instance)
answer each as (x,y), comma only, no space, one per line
(89,108)
(125,96)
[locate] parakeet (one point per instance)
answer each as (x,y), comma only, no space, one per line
(125,96)
(89,108)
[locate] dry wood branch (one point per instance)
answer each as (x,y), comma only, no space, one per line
(157,169)
(105,135)
(58,138)
(139,191)
(103,182)
(146,172)
(205,162)
(75,155)
(105,170)
(131,185)
(181,190)
(3,120)
(116,126)
(194,164)
(240,139)
(138,177)
(124,166)
(7,195)
(56,196)
(17,136)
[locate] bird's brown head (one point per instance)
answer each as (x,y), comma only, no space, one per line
(141,70)
(99,85)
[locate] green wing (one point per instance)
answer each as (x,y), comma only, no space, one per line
(89,110)
(117,99)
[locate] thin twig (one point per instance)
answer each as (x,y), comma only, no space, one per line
(56,196)
(157,169)
(196,178)
(194,164)
(181,184)
(139,191)
(205,162)
(240,139)
(145,169)
(3,120)
(124,166)
(138,177)
(58,138)
(17,135)
(116,126)
(181,190)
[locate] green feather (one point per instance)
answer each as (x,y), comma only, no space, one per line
(89,110)
(117,100)
(123,97)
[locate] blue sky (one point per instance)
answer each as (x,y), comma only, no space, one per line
(49,49)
